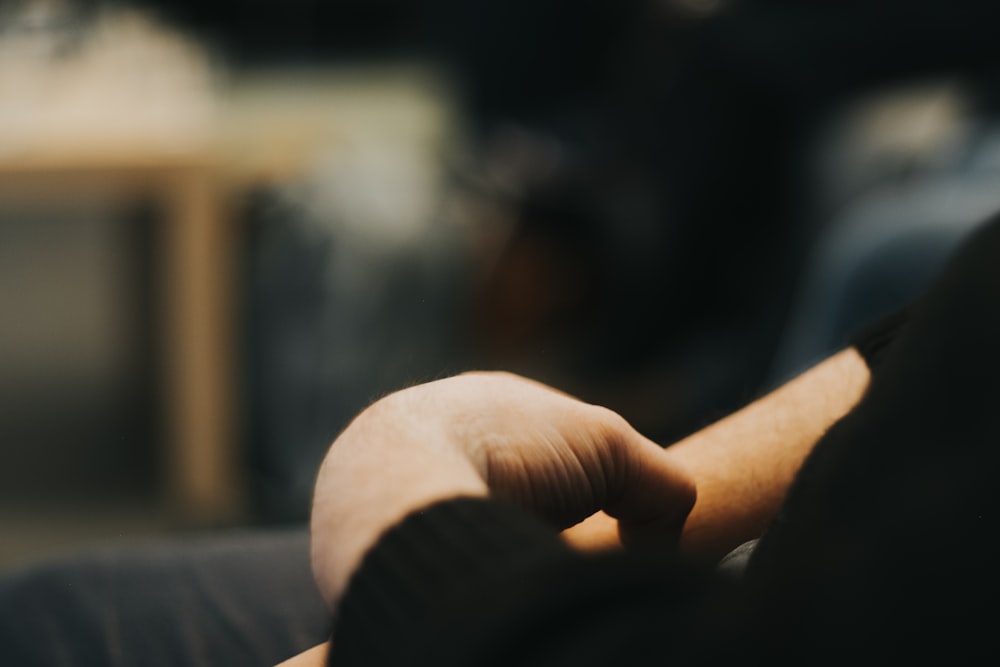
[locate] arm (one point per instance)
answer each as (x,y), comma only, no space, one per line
(743,464)
(314,657)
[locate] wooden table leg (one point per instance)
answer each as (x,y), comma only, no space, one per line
(204,471)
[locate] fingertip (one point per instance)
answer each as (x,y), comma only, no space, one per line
(656,497)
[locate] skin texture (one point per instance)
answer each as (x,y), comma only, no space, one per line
(566,461)
(743,464)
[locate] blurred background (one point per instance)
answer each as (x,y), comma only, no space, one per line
(227,227)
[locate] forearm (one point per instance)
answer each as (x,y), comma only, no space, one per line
(744,464)
(378,470)
(314,657)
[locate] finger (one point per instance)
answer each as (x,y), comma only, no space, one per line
(654,496)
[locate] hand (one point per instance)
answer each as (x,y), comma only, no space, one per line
(489,433)
(560,458)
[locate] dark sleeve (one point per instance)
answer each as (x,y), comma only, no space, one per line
(873,340)
(477,582)
(884,546)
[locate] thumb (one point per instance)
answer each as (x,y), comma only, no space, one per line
(654,496)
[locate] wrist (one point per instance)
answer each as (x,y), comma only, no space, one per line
(387,464)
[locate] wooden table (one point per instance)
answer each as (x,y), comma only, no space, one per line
(202,474)
(195,185)
(264,128)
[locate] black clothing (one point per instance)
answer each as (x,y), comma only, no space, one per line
(882,550)
(873,341)
(477,582)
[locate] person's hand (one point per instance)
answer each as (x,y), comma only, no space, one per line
(489,433)
(560,458)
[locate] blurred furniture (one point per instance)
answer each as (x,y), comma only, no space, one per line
(256,130)
(236,598)
(910,173)
(202,475)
